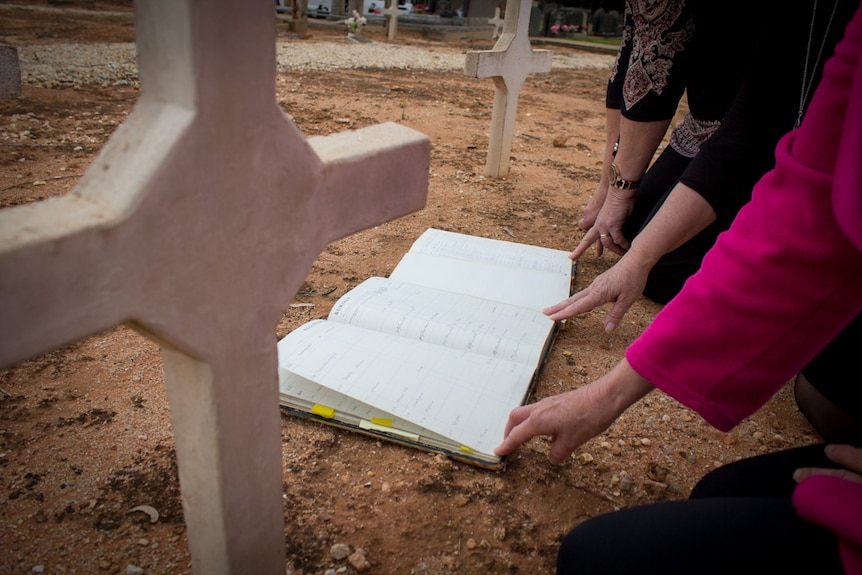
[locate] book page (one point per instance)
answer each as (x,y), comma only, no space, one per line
(497,252)
(516,274)
(532,289)
(305,396)
(457,394)
(301,393)
(447,319)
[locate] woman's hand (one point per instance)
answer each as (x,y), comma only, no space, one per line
(571,418)
(847,456)
(592,209)
(622,284)
(607,232)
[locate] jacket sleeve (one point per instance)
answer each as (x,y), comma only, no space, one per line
(782,282)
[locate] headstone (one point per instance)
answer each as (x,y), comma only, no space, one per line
(607,23)
(10,72)
(196,224)
(508,63)
(299,20)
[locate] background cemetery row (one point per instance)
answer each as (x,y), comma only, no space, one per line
(86,431)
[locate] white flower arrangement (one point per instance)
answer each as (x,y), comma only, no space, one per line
(355,23)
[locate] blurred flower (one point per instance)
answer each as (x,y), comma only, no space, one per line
(355,23)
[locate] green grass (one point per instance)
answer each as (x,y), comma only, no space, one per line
(606,40)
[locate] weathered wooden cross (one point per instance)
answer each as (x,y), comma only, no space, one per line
(196,224)
(508,63)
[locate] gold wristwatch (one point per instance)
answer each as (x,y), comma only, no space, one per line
(618,182)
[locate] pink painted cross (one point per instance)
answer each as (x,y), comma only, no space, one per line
(196,224)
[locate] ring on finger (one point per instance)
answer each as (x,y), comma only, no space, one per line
(603,236)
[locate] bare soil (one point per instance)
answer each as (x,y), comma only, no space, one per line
(85,430)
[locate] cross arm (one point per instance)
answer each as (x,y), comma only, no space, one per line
(371,175)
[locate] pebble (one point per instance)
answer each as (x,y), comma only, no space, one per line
(626,482)
(134,570)
(358,560)
(339,551)
(59,65)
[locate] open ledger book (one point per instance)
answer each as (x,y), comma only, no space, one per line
(438,354)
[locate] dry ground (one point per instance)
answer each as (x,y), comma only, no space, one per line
(85,431)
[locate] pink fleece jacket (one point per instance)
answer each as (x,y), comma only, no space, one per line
(777,286)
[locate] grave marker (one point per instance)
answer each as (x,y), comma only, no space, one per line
(392,11)
(196,224)
(10,72)
(508,63)
(497,23)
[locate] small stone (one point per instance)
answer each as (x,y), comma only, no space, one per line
(134,570)
(38,569)
(657,473)
(358,561)
(471,543)
(339,551)
(646,442)
(626,482)
(442,462)
(585,458)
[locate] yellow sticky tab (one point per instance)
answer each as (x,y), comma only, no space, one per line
(323,411)
(384,421)
(467,449)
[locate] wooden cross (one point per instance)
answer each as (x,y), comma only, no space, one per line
(508,63)
(196,224)
(393,11)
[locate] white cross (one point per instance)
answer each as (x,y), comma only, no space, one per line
(196,224)
(393,11)
(508,63)
(497,23)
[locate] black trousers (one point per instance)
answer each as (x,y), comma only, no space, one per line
(739,519)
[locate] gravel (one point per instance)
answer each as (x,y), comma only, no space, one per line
(59,65)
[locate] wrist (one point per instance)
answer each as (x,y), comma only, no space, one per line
(641,254)
(618,182)
(624,386)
